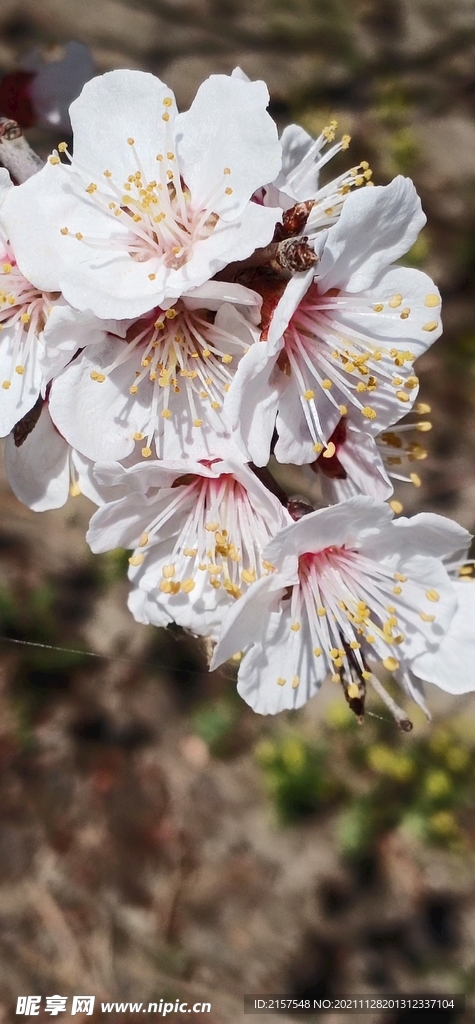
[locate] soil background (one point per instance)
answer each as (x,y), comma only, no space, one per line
(140,852)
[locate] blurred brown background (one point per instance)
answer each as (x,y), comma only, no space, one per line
(157,839)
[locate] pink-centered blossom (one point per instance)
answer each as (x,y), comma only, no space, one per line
(352,589)
(159,390)
(342,338)
(197,532)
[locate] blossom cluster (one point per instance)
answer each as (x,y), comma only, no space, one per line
(186,301)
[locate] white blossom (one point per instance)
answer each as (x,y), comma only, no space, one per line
(154,202)
(342,341)
(160,389)
(198,532)
(353,589)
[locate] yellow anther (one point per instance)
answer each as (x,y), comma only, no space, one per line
(25,318)
(411,382)
(62,147)
(353,690)
(295,682)
(355,646)
(397,590)
(165,117)
(431,326)
(391,664)
(229,191)
(171,313)
(64,231)
(318,447)
(432,300)
(166,414)
(131,142)
(378,307)
(75,490)
(143,540)
(317,651)
(403,397)
(212,527)
(107,174)
(321,611)
(405,313)
(136,559)
(227,358)
(91,188)
(335,678)
(295,627)
(327,384)
(151,277)
(423,408)
(20,370)
(360,387)
(345,141)
(6,385)
(395,301)
(369,413)
(79,236)
(168,102)
(146,453)
(415,479)
(399,577)
(7,268)
(281,681)
(343,409)
(426,618)
(432,595)
(54,159)
(329,450)
(187,585)
(197,423)
(168,571)
(248,575)
(309,394)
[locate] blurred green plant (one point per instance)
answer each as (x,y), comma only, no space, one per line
(375,779)
(215,722)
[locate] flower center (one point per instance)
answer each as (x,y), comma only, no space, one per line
(162,223)
(188,360)
(353,608)
(221,535)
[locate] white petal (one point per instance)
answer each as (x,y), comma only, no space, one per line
(362,463)
(252,401)
(349,523)
(245,622)
(113,108)
(281,655)
(376,226)
(17,399)
(227,126)
(145,609)
(38,471)
(452,665)
(414,322)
